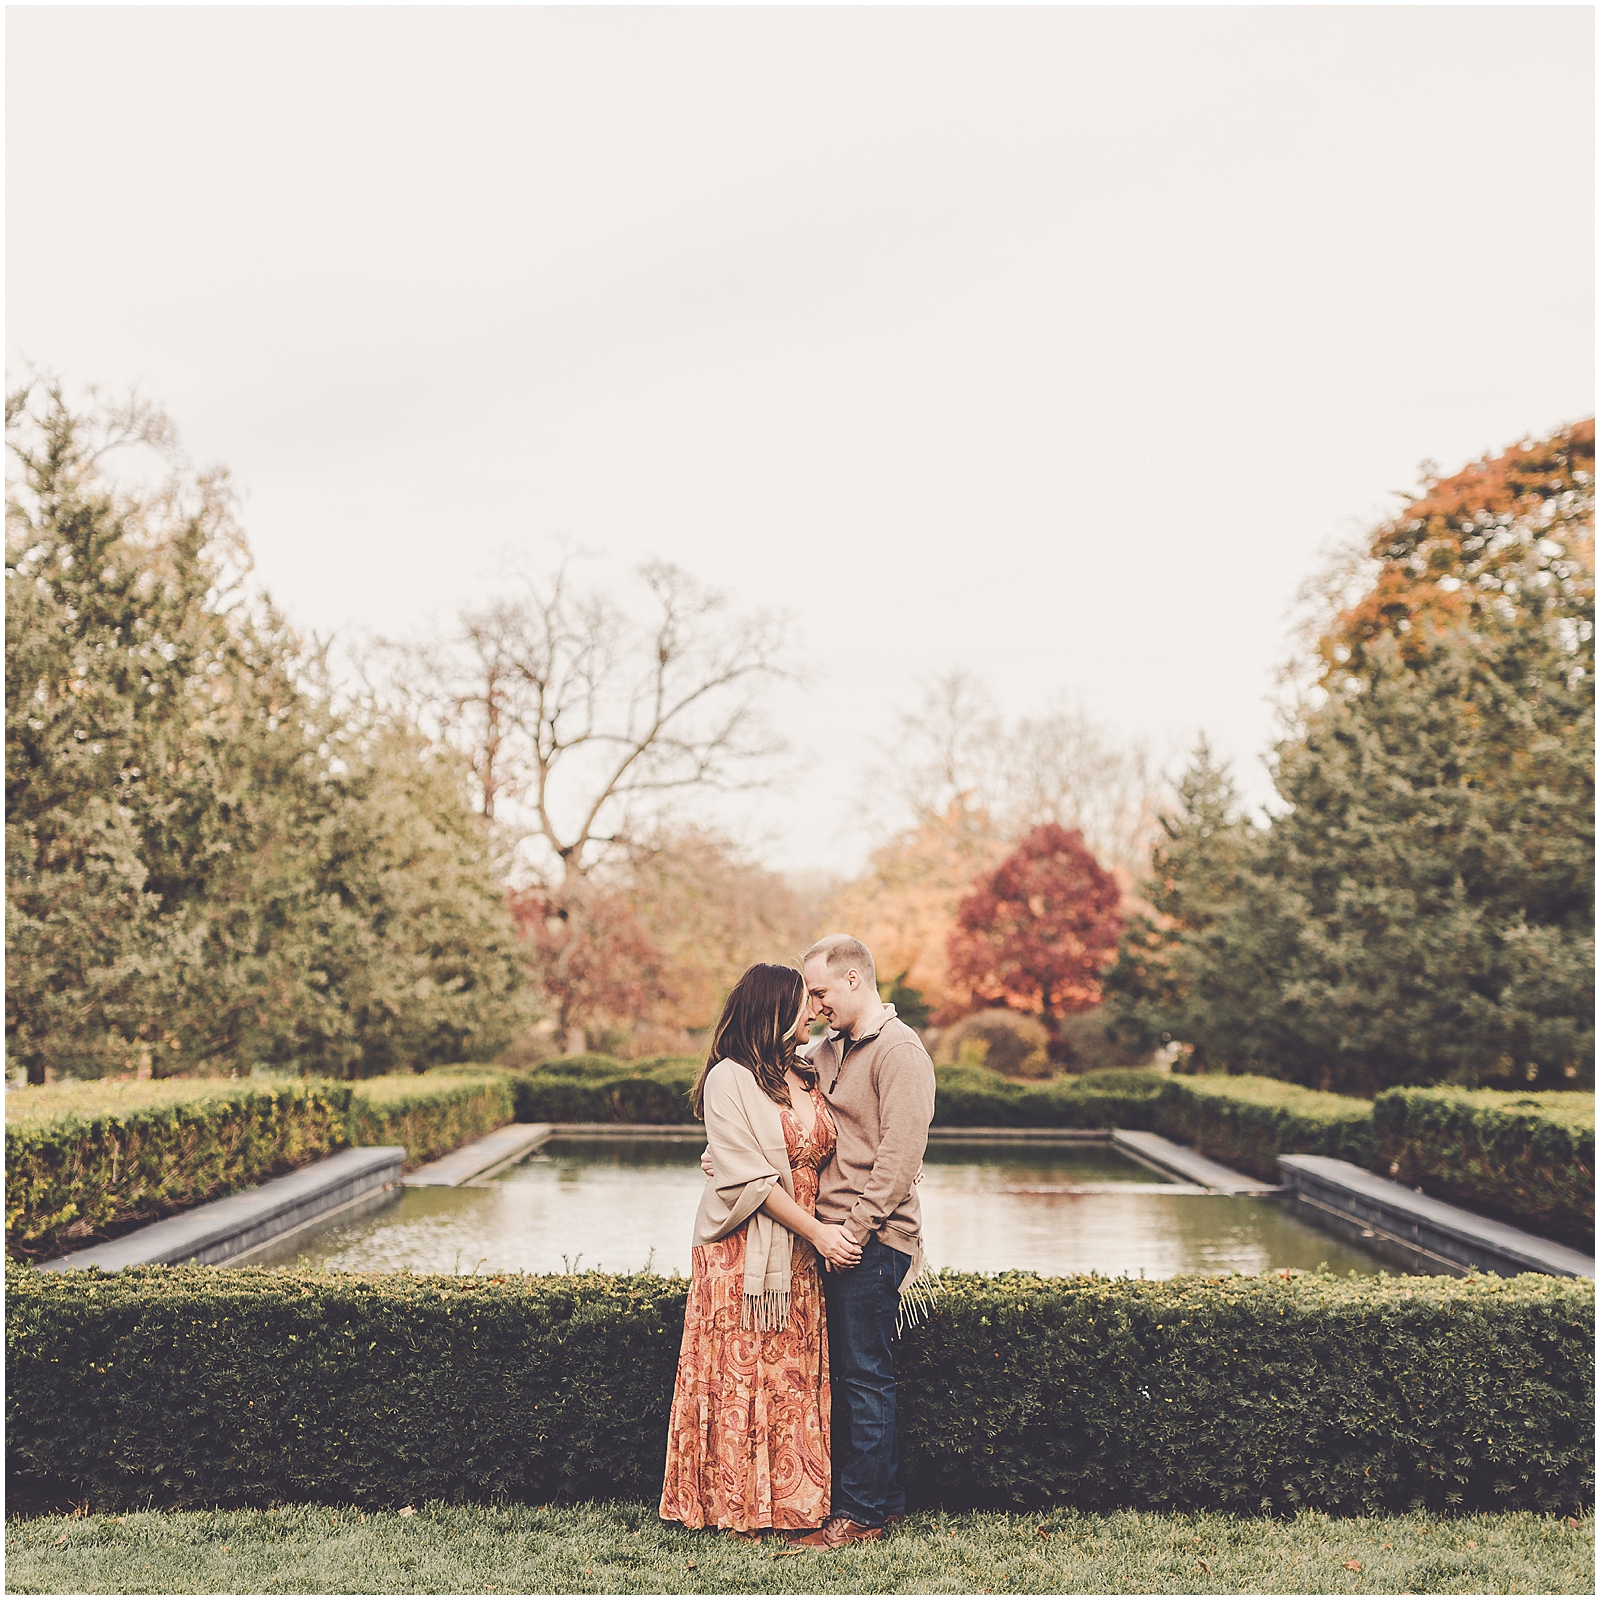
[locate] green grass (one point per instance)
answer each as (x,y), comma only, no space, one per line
(624,1549)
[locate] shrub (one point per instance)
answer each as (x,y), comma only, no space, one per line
(1084,1044)
(192,1386)
(1006,1042)
(973,1097)
(1248,1122)
(1528,1158)
(598,1089)
(589,1068)
(90,1161)
(431,1114)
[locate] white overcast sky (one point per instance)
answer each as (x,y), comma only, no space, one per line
(1052,343)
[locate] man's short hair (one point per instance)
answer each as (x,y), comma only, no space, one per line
(844,952)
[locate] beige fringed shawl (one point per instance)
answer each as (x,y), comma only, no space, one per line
(745,1131)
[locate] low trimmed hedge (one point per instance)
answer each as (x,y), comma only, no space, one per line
(975,1097)
(90,1161)
(594,1088)
(190,1386)
(1527,1158)
(429,1115)
(1249,1122)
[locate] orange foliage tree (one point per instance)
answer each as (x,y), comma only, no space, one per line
(1504,544)
(904,906)
(658,941)
(1038,932)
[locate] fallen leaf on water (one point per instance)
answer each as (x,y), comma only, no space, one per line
(1354,1566)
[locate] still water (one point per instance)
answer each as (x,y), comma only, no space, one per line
(622,1204)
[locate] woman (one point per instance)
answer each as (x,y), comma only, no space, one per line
(747,1447)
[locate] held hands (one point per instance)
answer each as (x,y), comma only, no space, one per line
(833,1244)
(836,1247)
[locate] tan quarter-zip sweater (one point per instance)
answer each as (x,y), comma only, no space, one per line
(880,1091)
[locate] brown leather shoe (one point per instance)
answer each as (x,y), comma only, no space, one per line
(836,1531)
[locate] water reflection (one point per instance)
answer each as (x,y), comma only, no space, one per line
(624,1204)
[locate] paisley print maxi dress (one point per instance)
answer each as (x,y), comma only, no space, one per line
(747,1447)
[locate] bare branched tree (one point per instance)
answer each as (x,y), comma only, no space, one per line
(581,722)
(946,751)
(1062,767)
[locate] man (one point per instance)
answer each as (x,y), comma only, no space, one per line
(878,1082)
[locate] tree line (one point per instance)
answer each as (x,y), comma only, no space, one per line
(219,860)
(219,857)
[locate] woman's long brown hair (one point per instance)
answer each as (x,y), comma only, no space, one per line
(757,1029)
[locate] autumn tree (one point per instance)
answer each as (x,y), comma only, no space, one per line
(1038,932)
(1503,547)
(957,750)
(663,935)
(962,786)
(904,906)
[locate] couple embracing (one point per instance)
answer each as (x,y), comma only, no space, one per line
(783,1415)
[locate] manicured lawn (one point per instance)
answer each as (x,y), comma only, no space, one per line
(623,1549)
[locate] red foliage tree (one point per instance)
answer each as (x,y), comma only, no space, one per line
(592,956)
(1037,933)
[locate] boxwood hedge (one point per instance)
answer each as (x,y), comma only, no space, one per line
(196,1386)
(1528,1158)
(1248,1122)
(429,1115)
(89,1161)
(595,1088)
(974,1097)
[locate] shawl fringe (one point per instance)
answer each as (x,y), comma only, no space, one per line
(918,1297)
(766,1311)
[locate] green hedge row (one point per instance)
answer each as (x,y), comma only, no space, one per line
(974,1097)
(89,1161)
(595,1088)
(1527,1158)
(429,1115)
(196,1386)
(75,1175)
(1249,1122)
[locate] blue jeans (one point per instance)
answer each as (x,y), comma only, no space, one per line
(863,1302)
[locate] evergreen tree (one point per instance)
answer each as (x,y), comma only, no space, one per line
(1422,909)
(1190,971)
(206,868)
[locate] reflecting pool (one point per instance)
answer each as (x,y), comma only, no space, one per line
(625,1203)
